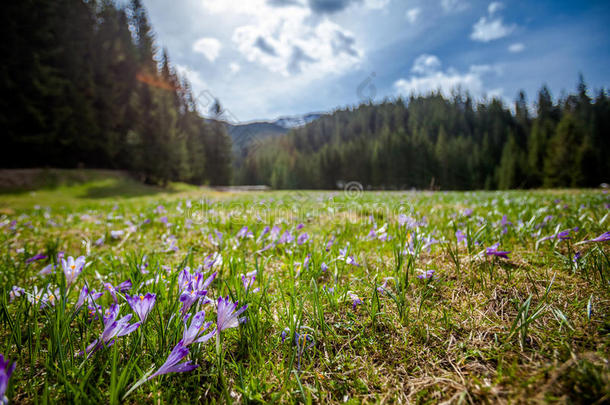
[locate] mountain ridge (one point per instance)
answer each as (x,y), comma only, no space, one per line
(244,133)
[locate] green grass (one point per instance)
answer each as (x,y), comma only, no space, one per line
(56,187)
(531,328)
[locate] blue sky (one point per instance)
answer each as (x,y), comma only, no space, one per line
(267,58)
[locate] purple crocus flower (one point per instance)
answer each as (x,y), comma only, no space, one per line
(184,279)
(124,286)
(274,234)
(212,260)
(142,304)
(302,238)
(263,233)
(39,256)
(306,261)
(170,241)
(244,233)
(402,220)
(383,288)
(330,243)
(563,235)
(286,237)
(117,234)
(355,300)
(113,328)
(227,317)
(576,257)
(428,242)
(144,265)
(173,365)
(493,251)
(604,237)
(87,296)
(350,260)
(247,280)
(192,288)
(284,333)
(48,269)
(94,310)
(215,239)
(328,290)
(6,369)
(189,297)
(324,266)
(265,248)
(427,275)
(51,296)
(15,292)
(300,226)
(72,268)
(382,234)
(44,298)
(200,283)
(193,333)
(99,242)
(461,237)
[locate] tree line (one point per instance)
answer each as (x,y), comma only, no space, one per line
(85,85)
(441,142)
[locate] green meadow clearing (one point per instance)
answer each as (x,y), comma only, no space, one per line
(378,297)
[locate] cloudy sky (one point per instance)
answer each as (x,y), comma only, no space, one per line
(267,58)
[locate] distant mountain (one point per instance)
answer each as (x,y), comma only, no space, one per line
(243,134)
(297,120)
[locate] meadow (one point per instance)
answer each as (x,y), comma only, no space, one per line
(197,295)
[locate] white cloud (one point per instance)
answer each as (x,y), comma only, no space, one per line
(240,7)
(489,28)
(516,47)
(286,42)
(376,4)
(454,5)
(486,30)
(430,77)
(494,6)
(234,67)
(425,64)
(413,14)
(209,47)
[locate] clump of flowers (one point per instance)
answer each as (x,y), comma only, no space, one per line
(193,287)
(44,298)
